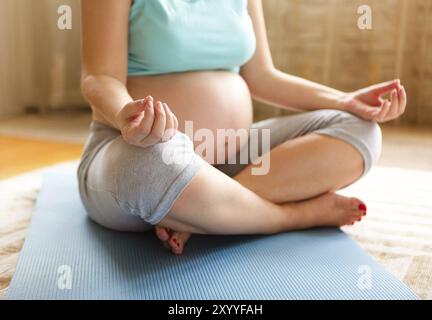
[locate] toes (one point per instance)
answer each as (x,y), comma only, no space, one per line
(362,207)
(178,240)
(359,210)
(175,245)
(362,211)
(162,233)
(166,245)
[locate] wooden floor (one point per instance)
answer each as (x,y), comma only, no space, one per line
(22,155)
(407,147)
(31,142)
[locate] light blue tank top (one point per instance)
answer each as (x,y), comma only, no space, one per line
(168,36)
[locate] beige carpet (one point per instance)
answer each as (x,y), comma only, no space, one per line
(397,231)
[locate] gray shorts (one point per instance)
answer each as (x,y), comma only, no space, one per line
(129,188)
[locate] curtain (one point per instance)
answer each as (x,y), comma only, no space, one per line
(315,39)
(320,40)
(40,64)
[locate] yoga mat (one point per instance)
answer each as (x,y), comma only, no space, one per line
(66,256)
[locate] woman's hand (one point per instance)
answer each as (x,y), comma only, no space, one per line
(368,103)
(144,122)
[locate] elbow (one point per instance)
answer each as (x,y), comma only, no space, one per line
(257,80)
(90,85)
(86,83)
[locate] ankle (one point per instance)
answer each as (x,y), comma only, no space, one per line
(295,218)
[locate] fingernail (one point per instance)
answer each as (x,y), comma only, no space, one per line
(362,207)
(359,219)
(150,98)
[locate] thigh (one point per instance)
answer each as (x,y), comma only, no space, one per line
(99,191)
(130,188)
(314,153)
(278,130)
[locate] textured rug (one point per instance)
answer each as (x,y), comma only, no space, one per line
(397,231)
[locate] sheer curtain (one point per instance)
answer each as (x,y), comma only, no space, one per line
(320,40)
(315,39)
(40,64)
(16,55)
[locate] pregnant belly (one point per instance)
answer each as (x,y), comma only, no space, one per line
(209,100)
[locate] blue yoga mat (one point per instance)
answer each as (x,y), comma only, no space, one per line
(66,256)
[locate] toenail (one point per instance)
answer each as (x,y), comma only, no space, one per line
(362,207)
(359,219)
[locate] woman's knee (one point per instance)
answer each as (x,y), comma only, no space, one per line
(364,135)
(373,139)
(148,180)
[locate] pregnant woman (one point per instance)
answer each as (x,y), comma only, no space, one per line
(152,66)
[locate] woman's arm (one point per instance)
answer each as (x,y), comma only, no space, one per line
(277,88)
(272,86)
(104,56)
(104,62)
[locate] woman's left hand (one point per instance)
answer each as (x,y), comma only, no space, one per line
(368,103)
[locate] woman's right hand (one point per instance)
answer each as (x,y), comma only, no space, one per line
(145,122)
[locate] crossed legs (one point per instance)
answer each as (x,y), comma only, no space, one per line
(213,203)
(297,193)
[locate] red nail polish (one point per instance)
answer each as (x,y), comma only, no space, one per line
(362,207)
(359,219)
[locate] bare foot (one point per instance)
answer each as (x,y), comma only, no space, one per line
(178,240)
(173,240)
(329,209)
(163,234)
